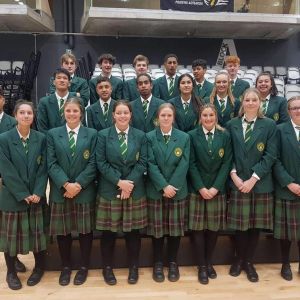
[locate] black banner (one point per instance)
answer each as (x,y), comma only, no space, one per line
(198,5)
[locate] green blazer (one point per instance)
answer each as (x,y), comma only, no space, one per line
(184,122)
(78,85)
(209,169)
(48,115)
(167,163)
(130,91)
(62,167)
(7,123)
(287,167)
(229,113)
(239,88)
(277,109)
(22,175)
(138,118)
(205,90)
(95,118)
(258,155)
(117,89)
(113,166)
(160,88)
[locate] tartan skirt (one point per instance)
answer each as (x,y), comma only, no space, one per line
(287,219)
(23,231)
(166,217)
(69,217)
(207,214)
(118,215)
(247,211)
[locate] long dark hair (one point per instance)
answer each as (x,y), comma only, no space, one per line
(273,90)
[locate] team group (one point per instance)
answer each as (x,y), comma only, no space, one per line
(149,157)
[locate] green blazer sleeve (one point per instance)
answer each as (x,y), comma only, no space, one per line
(93,94)
(42,116)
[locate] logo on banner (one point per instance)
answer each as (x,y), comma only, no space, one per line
(212,3)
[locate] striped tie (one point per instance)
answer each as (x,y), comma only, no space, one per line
(105,111)
(232,85)
(199,86)
(145,106)
(298,128)
(72,142)
(264,106)
(25,144)
(171,86)
(61,107)
(186,107)
(167,138)
(248,131)
(209,141)
(222,101)
(123,144)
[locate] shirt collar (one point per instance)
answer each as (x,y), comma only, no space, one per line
(21,136)
(244,119)
(102,102)
(76,129)
(167,133)
(118,130)
(268,97)
(64,97)
(234,80)
(148,99)
(105,76)
(188,101)
(202,82)
(206,131)
(219,98)
(294,125)
(168,77)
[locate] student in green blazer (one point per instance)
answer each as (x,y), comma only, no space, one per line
(287,187)
(50,108)
(210,163)
(187,105)
(78,85)
(273,106)
(168,161)
(130,90)
(72,172)
(203,88)
(238,86)
(121,160)
(22,195)
(144,108)
(106,62)
(99,114)
(223,99)
(166,87)
(250,207)
(6,122)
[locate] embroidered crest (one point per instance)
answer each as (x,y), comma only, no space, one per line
(137,156)
(86,154)
(178,152)
(39,159)
(276,117)
(260,147)
(221,152)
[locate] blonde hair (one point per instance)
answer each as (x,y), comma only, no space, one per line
(294,98)
(65,57)
(213,108)
(232,59)
(255,91)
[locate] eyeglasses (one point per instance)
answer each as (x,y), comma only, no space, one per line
(294,108)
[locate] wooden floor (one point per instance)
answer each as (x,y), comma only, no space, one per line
(270,286)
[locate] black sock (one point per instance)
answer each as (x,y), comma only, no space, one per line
(39,258)
(133,246)
(285,246)
(253,237)
(158,249)
(85,242)
(10,263)
(199,246)
(64,247)
(210,243)
(173,246)
(108,241)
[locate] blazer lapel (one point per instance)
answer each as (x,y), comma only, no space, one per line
(291,136)
(19,147)
(81,138)
(54,104)
(171,145)
(258,127)
(99,114)
(32,149)
(151,110)
(238,129)
(114,140)
(64,140)
(202,140)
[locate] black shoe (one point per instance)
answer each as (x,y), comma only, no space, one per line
(211,272)
(35,277)
(173,274)
(158,272)
(65,276)
(80,276)
(109,276)
(202,275)
(133,275)
(13,281)
(286,272)
(236,268)
(251,272)
(19,266)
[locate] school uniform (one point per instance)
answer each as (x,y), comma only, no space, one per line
(6,122)
(230,111)
(22,227)
(161,88)
(139,120)
(117,88)
(95,115)
(239,87)
(48,115)
(77,85)
(130,90)
(204,89)
(277,109)
(184,121)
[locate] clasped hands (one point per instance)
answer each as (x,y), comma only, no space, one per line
(126,188)
(243,186)
(208,194)
(72,189)
(32,199)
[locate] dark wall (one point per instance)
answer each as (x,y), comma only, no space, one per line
(251,52)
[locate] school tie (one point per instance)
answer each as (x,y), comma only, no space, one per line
(199,86)
(61,107)
(264,106)
(72,142)
(123,144)
(171,86)
(248,131)
(145,106)
(186,107)
(25,144)
(167,138)
(105,111)
(298,137)
(232,85)
(209,141)
(222,101)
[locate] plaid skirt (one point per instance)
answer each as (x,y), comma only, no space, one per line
(246,211)
(166,217)
(23,231)
(287,219)
(207,214)
(118,215)
(69,217)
